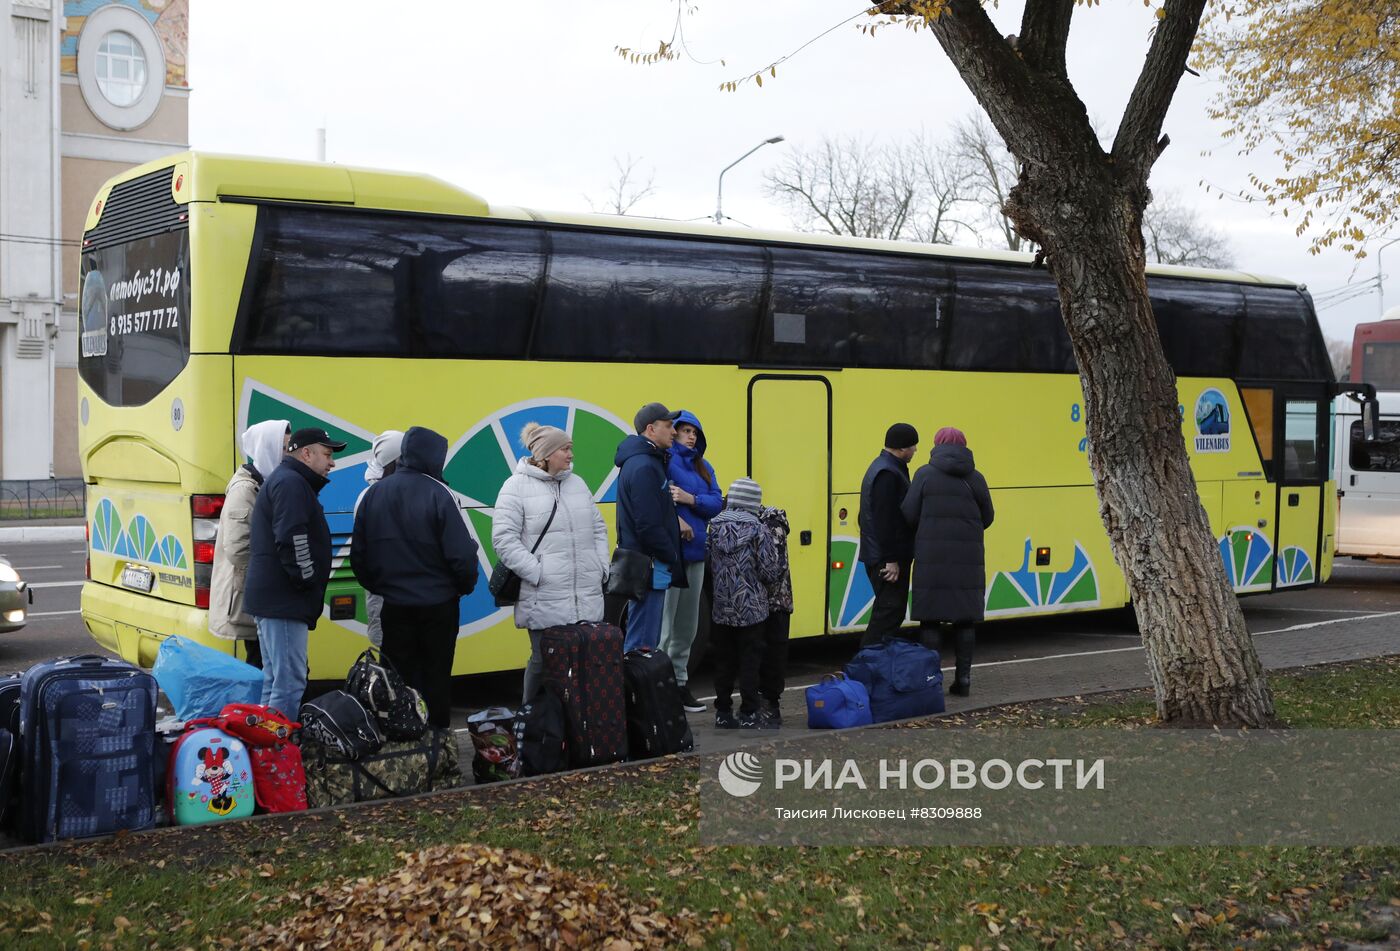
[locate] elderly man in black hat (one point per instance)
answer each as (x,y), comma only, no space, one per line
(290,564)
(886,539)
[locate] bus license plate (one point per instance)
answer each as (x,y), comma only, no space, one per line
(135,576)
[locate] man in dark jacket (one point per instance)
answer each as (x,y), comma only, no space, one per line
(289,564)
(886,540)
(646,518)
(411,547)
(951,507)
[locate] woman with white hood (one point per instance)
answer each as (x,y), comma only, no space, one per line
(384,459)
(265,443)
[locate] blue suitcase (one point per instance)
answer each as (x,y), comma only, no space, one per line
(88,752)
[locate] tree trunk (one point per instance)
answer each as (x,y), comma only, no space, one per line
(1083,206)
(1202,661)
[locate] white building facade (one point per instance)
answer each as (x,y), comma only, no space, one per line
(88,88)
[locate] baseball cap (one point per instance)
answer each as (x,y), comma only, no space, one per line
(650,413)
(311,436)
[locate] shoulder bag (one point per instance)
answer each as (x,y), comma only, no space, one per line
(504,583)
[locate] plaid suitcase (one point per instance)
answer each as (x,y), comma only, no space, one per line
(88,748)
(583,666)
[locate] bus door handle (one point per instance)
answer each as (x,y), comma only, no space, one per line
(1353,480)
(805,538)
(1293,500)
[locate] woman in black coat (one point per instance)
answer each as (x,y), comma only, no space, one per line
(950,507)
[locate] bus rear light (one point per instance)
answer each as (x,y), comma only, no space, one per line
(206,506)
(203,553)
(203,579)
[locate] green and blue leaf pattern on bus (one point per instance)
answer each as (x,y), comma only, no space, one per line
(137,541)
(1294,566)
(851,596)
(1012,592)
(477,465)
(1248,558)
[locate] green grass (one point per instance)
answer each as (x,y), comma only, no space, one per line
(636,828)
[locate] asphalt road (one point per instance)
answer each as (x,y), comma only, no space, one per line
(1357,589)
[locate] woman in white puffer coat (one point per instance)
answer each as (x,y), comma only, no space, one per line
(562,582)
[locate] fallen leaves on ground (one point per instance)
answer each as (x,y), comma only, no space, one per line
(473,896)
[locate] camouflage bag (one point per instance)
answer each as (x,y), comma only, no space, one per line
(397,769)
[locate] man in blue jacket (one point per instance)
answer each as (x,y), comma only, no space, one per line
(410,546)
(647,520)
(290,563)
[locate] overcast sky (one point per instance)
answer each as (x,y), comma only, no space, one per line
(528,104)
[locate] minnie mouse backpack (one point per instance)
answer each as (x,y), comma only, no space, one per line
(279,780)
(210,778)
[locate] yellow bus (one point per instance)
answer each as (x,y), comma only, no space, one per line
(219,291)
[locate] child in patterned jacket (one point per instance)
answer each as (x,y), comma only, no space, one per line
(743,562)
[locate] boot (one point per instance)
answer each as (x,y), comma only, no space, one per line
(965,639)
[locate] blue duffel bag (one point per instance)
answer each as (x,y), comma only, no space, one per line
(837,703)
(200,681)
(903,679)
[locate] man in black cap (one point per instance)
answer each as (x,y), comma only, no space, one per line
(886,539)
(290,563)
(646,518)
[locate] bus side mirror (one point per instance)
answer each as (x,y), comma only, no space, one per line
(1370,418)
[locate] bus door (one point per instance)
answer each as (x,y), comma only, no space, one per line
(789,456)
(1301,475)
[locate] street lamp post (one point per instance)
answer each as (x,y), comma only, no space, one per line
(1380,280)
(719,195)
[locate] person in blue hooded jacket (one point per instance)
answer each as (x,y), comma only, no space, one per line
(410,545)
(646,518)
(695,490)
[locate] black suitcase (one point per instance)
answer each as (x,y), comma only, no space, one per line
(9,775)
(539,735)
(9,702)
(656,724)
(583,666)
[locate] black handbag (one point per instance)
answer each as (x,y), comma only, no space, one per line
(399,709)
(339,721)
(629,575)
(505,584)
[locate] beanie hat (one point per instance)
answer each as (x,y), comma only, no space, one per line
(544,441)
(901,436)
(948,436)
(745,494)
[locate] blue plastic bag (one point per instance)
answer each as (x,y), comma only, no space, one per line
(201,681)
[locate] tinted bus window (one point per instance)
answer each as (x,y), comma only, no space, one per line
(1380,364)
(1300,441)
(328,282)
(134,314)
(1007,318)
(1197,321)
(1279,340)
(648,298)
(830,308)
(343,283)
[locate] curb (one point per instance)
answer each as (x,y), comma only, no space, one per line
(43,533)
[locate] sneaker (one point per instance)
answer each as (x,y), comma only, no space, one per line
(769,718)
(725,720)
(748,721)
(688,701)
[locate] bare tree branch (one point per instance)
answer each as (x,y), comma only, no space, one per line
(1044,32)
(625,191)
(1137,146)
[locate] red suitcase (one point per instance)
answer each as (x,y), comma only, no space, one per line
(583,666)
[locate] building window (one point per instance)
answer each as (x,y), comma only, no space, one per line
(121,68)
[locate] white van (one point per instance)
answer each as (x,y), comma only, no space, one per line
(1368,479)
